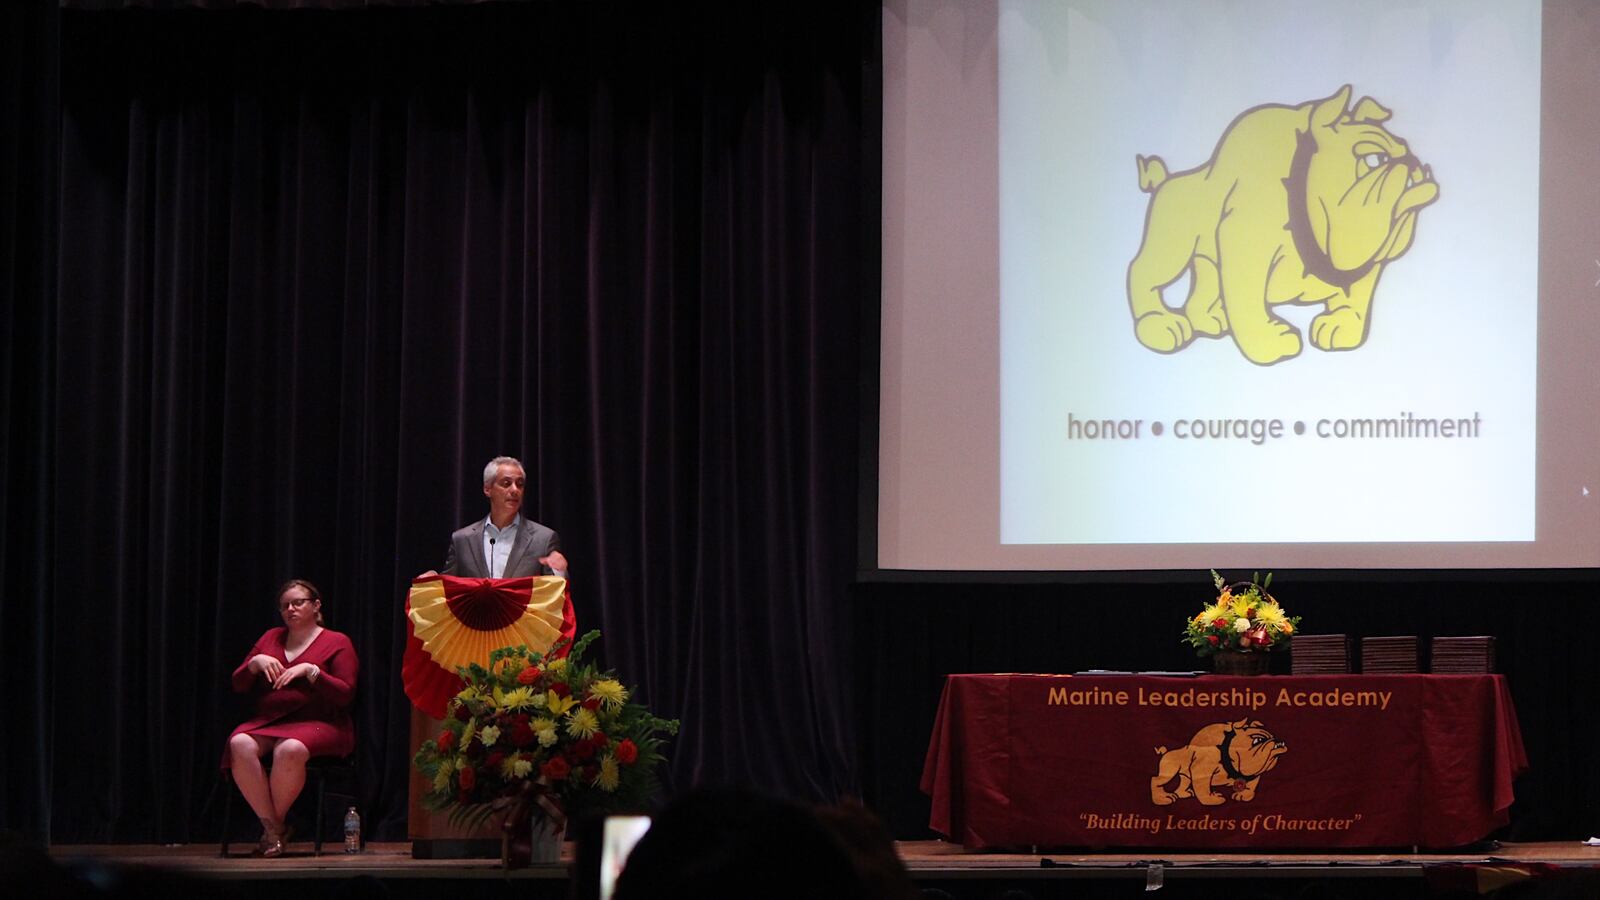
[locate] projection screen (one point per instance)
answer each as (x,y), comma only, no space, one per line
(1227,283)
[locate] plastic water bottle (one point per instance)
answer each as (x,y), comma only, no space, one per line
(352,831)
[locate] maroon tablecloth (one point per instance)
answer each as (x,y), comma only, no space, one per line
(1323,761)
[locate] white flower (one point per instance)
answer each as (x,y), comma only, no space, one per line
(489,735)
(1241,624)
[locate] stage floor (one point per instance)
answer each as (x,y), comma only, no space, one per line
(925,859)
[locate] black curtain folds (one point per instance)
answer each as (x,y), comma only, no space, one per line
(29,113)
(313,269)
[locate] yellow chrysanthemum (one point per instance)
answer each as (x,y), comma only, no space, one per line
(441,779)
(517,699)
(508,767)
(556,666)
(610,691)
(610,775)
(489,735)
(1271,614)
(583,724)
(1240,606)
(467,732)
(1214,612)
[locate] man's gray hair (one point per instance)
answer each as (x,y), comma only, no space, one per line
(493,468)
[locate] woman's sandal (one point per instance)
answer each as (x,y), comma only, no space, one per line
(272,845)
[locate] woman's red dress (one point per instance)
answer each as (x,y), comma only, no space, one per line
(317,715)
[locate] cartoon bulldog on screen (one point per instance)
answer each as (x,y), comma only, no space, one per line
(1298,204)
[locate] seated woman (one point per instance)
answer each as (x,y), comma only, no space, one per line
(303,677)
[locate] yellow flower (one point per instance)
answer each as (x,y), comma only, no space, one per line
(556,666)
(520,767)
(583,724)
(441,779)
(1287,627)
(545,729)
(610,776)
(470,692)
(1214,612)
(558,704)
(1271,614)
(1241,605)
(518,698)
(489,735)
(466,733)
(610,691)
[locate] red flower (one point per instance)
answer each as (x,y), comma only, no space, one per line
(522,734)
(1210,637)
(561,689)
(462,713)
(591,703)
(529,675)
(583,750)
(1220,623)
(469,778)
(555,769)
(494,760)
(627,751)
(446,741)
(591,772)
(599,740)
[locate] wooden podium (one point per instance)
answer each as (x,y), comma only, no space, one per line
(531,611)
(431,834)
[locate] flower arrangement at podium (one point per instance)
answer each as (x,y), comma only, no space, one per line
(1243,620)
(541,737)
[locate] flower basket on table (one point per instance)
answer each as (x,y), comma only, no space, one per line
(1241,626)
(537,738)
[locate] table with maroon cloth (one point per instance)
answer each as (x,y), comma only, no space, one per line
(1314,761)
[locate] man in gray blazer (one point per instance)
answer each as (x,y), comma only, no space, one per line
(504,544)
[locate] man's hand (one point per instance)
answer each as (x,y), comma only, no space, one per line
(555,561)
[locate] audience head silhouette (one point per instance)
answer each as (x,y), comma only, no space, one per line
(729,842)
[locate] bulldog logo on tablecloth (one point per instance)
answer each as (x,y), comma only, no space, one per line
(1221,754)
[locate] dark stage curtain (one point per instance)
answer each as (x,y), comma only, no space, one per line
(29,111)
(316,268)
